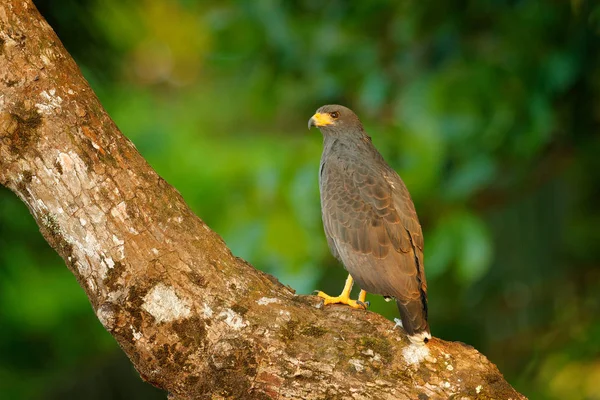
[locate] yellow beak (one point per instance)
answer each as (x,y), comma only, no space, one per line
(319,120)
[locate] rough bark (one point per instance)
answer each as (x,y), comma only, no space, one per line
(194,320)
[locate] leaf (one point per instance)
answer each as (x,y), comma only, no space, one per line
(475,249)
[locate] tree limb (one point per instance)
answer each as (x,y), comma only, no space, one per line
(194,320)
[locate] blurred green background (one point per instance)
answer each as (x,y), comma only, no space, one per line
(489,110)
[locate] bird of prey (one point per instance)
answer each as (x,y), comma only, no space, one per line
(370,221)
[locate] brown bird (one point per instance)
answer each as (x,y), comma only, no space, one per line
(370,221)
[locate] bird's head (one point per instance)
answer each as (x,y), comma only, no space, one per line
(334,118)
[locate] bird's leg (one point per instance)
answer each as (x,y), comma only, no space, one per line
(362,296)
(344,298)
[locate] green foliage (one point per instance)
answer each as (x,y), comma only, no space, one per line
(488,110)
(460,238)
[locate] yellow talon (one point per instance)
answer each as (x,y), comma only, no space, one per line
(341,300)
(344,297)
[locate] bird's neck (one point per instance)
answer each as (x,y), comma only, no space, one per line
(356,142)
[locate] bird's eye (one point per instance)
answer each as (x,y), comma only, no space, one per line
(335,115)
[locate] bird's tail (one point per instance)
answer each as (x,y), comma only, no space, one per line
(414,319)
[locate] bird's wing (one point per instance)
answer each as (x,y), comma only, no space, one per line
(371,219)
(405,207)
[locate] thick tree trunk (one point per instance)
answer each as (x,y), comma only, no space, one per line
(194,320)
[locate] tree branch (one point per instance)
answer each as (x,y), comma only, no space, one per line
(194,320)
